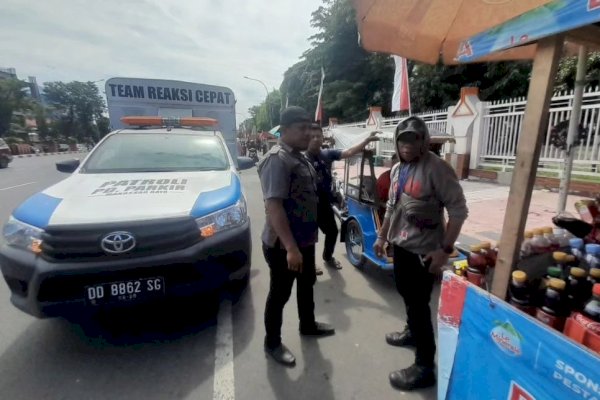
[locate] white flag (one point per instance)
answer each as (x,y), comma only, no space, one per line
(401,96)
(319,110)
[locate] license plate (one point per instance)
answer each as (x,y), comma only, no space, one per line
(125,291)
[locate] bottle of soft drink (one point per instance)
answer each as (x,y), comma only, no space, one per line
(578,289)
(477,266)
(549,236)
(594,276)
(519,292)
(539,295)
(592,308)
(539,244)
(553,312)
(592,255)
(576,245)
(562,237)
(589,317)
(560,261)
(526,245)
(488,253)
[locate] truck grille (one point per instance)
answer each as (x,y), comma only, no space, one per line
(80,243)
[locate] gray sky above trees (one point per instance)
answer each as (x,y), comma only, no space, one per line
(205,41)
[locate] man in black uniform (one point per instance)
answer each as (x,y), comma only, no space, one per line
(322,159)
(289,190)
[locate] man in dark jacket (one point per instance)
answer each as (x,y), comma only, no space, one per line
(322,159)
(289,190)
(422,186)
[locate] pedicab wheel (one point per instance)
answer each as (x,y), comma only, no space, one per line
(355,244)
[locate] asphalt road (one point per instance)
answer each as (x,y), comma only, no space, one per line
(152,354)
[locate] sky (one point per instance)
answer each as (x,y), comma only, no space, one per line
(215,42)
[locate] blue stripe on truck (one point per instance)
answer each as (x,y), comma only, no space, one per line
(37,210)
(215,200)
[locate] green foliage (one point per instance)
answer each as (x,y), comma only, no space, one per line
(567,70)
(103,125)
(41,119)
(266,115)
(80,106)
(12,98)
(356,79)
(438,86)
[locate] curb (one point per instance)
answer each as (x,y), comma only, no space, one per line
(48,154)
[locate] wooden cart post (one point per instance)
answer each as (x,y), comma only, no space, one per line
(535,124)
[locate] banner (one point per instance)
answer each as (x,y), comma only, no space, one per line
(504,354)
(549,19)
(401,96)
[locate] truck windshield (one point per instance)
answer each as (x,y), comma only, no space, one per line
(157,152)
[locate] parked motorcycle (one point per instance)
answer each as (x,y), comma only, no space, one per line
(253,154)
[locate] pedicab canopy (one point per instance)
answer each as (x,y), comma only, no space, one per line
(346,137)
(490,30)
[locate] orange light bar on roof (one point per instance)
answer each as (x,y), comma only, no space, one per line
(168,121)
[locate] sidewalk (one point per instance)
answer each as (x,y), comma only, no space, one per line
(487,206)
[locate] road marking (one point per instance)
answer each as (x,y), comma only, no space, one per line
(16,186)
(223,383)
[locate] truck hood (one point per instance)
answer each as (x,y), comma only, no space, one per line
(106,198)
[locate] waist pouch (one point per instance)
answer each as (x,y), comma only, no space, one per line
(422,214)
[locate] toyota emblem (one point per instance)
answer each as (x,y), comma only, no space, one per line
(117,242)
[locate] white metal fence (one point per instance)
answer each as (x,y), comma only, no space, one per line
(503,125)
(435,120)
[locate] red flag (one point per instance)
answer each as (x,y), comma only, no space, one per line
(401,97)
(319,110)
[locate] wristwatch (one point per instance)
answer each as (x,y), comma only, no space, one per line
(448,249)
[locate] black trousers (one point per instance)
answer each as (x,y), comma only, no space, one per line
(415,283)
(282,280)
(328,226)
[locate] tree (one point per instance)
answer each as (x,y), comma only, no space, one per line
(438,86)
(567,69)
(103,126)
(12,98)
(41,120)
(356,79)
(80,106)
(266,115)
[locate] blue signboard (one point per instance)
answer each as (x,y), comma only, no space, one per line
(504,354)
(549,19)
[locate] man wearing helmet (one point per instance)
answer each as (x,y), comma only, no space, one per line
(422,186)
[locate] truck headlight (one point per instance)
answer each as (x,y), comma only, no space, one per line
(22,235)
(227,218)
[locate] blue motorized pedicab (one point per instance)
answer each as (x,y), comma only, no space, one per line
(360,211)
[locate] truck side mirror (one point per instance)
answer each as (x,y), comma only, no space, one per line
(67,166)
(245,163)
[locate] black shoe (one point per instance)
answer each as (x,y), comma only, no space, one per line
(282,355)
(319,329)
(332,263)
(400,339)
(413,377)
